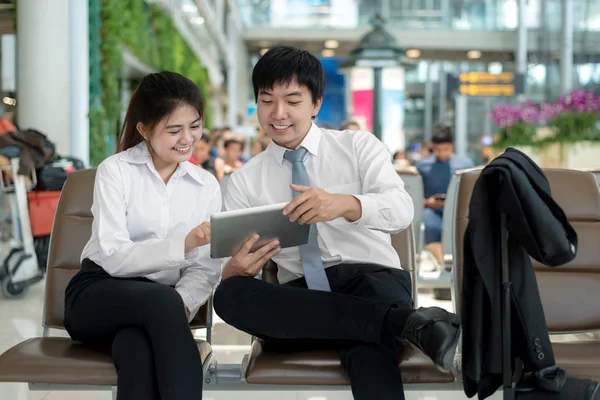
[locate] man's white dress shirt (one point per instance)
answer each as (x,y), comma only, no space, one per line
(140,224)
(349,162)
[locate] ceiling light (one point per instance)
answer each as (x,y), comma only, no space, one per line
(328,53)
(495,68)
(413,53)
(474,54)
(332,44)
(263,51)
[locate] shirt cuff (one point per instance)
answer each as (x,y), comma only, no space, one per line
(177,255)
(189,302)
(192,255)
(369,211)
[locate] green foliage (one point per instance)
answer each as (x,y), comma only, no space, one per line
(519,134)
(149,33)
(576,127)
(567,127)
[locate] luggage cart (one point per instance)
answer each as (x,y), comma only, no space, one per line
(19,268)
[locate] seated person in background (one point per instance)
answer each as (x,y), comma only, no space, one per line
(350,125)
(146,270)
(232,153)
(260,144)
(436,170)
(345,289)
(400,160)
(201,156)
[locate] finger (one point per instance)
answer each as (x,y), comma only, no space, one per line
(206,232)
(310,217)
(205,229)
(291,206)
(249,243)
(258,254)
(263,260)
(199,232)
(300,188)
(302,209)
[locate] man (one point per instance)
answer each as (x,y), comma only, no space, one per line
(436,171)
(344,289)
(202,157)
(233,151)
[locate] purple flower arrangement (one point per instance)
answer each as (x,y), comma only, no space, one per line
(574,117)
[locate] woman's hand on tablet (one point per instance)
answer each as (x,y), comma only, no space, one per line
(199,236)
(245,263)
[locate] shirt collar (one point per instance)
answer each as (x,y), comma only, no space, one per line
(139,154)
(310,142)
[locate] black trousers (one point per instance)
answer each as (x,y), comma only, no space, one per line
(144,325)
(348,318)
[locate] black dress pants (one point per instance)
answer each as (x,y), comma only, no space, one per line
(144,325)
(349,318)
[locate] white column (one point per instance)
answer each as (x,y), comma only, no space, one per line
(443,93)
(232,100)
(461,139)
(43,69)
(429,102)
(521,56)
(9,62)
(80,80)
(220,14)
(566,48)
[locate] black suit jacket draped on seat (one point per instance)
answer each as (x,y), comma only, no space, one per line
(512,184)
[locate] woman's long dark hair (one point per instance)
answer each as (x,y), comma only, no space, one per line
(157,96)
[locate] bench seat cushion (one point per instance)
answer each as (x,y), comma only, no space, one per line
(581,359)
(57,360)
(323,368)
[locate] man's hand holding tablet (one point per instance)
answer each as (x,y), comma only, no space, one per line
(245,263)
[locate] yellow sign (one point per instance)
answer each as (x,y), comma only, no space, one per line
(504,84)
(486,77)
(487,90)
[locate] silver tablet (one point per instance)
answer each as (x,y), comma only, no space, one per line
(229,230)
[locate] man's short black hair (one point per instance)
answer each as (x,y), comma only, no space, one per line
(229,142)
(442,133)
(281,65)
(205,138)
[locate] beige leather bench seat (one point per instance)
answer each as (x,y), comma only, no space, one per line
(323,367)
(581,359)
(59,360)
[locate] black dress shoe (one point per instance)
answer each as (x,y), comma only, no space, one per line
(435,332)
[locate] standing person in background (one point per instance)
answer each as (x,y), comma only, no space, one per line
(436,170)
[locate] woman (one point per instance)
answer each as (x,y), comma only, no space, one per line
(146,269)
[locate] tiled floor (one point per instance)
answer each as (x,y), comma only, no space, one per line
(21,319)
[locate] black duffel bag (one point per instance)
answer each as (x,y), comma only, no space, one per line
(52,176)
